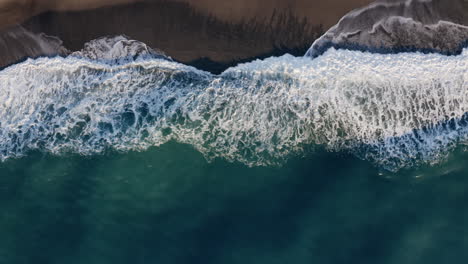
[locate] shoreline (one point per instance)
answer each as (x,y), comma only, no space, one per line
(179,30)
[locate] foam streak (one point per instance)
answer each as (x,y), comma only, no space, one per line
(395,110)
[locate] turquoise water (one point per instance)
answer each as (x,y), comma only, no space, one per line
(348,158)
(169,205)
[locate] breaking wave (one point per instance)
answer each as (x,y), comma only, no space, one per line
(395,110)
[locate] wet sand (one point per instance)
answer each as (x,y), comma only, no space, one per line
(181,38)
(17,11)
(324,12)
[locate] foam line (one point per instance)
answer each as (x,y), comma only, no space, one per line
(396,110)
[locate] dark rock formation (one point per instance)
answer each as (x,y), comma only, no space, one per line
(400,25)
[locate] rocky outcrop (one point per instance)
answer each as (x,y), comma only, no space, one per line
(400,25)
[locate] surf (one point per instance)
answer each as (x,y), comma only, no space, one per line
(395,110)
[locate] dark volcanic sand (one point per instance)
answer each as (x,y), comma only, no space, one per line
(167,26)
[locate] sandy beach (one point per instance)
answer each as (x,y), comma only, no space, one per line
(77,22)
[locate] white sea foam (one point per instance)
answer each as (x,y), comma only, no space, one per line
(395,110)
(398,25)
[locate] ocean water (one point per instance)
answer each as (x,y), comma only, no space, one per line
(348,158)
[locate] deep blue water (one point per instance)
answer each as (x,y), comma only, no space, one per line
(169,205)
